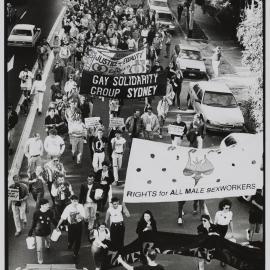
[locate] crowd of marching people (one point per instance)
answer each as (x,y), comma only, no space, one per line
(114,25)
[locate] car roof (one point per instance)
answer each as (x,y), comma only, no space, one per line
(189,48)
(160,9)
(213,86)
(24,26)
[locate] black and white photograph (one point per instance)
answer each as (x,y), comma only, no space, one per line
(134,135)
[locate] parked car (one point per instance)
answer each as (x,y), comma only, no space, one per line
(190,62)
(24,35)
(217,106)
(158,3)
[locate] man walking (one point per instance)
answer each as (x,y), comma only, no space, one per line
(12,122)
(54,145)
(74,213)
(19,206)
(150,124)
(26,77)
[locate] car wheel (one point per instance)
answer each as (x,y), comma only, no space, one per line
(189,104)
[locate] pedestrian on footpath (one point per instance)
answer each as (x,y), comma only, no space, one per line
(216,60)
(36,187)
(41,228)
(38,90)
(86,198)
(206,228)
(117,227)
(151,263)
(77,134)
(26,77)
(118,148)
(19,206)
(54,121)
(98,146)
(177,81)
(61,191)
(100,245)
(12,122)
(53,169)
(255,214)
(177,139)
(74,213)
(179,11)
(150,124)
(162,111)
(54,145)
(103,180)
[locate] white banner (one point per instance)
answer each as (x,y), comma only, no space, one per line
(13,194)
(92,122)
(116,122)
(133,63)
(158,174)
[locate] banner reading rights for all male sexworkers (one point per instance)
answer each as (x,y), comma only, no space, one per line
(99,62)
(156,173)
(123,86)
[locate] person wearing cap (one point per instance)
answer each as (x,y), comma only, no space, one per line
(26,77)
(61,191)
(33,150)
(98,146)
(54,145)
(43,219)
(12,122)
(216,60)
(38,90)
(151,255)
(53,169)
(150,124)
(18,205)
(103,180)
(118,147)
(89,202)
(74,213)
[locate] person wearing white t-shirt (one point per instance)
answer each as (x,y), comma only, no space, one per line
(117,226)
(54,145)
(26,77)
(74,213)
(118,148)
(38,90)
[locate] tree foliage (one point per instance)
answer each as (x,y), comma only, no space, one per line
(250,35)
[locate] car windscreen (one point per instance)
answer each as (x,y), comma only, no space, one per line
(21,32)
(160,3)
(190,54)
(218,99)
(166,17)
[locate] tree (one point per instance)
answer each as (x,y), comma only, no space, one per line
(250,35)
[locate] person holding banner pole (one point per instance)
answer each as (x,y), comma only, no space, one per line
(118,148)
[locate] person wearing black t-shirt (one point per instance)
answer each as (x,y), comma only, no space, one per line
(177,139)
(53,121)
(151,264)
(41,227)
(255,214)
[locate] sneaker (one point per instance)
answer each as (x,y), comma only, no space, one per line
(183,213)
(195,212)
(40,262)
(180,221)
(160,136)
(248,234)
(17,233)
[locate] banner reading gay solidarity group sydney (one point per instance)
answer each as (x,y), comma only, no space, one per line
(99,62)
(188,174)
(123,86)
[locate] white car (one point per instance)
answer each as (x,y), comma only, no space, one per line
(164,16)
(217,106)
(24,35)
(190,62)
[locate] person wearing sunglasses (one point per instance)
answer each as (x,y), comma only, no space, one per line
(206,228)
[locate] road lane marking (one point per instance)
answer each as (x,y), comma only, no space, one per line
(10,63)
(23,15)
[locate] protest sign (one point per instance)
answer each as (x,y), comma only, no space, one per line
(123,86)
(176,130)
(113,54)
(186,173)
(116,122)
(99,62)
(13,194)
(92,122)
